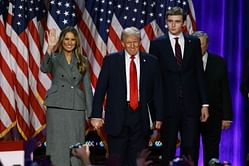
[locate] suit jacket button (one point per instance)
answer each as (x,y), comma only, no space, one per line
(62,75)
(74,77)
(62,85)
(72,87)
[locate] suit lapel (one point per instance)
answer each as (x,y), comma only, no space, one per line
(122,68)
(186,52)
(65,66)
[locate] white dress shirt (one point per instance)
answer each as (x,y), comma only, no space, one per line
(180,41)
(127,71)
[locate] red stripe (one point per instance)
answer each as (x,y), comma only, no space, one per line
(115,38)
(91,41)
(38,110)
(149,31)
(7,106)
(24,127)
(192,21)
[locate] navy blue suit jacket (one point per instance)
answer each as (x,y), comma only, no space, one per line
(190,77)
(112,84)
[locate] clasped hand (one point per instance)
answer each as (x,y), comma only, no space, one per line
(97,122)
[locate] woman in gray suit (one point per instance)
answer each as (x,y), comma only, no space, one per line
(69,98)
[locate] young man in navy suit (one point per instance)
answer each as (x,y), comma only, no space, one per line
(184,88)
(127,113)
(220,102)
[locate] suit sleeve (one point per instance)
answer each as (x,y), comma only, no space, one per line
(101,89)
(88,93)
(46,63)
(244,87)
(226,96)
(158,95)
(200,74)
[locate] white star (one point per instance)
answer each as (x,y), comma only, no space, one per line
(125,17)
(18,23)
(141,21)
(145,3)
(119,6)
(109,12)
(108,21)
(160,14)
(59,3)
(52,2)
(135,10)
(67,4)
(65,21)
(96,9)
(137,1)
(127,8)
(103,1)
(101,19)
(19,15)
(133,19)
(102,10)
(58,12)
(20,7)
(151,14)
(110,2)
(184,3)
(143,12)
(66,13)
(161,6)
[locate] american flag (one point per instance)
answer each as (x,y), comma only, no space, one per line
(99,22)
(24,59)
(7,99)
(104,20)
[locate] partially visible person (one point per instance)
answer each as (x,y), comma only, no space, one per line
(220,102)
(131,81)
(184,87)
(244,87)
(69,99)
(142,158)
(83,153)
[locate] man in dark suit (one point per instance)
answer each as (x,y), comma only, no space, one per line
(127,114)
(220,105)
(184,88)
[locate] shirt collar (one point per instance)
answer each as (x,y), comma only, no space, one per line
(171,37)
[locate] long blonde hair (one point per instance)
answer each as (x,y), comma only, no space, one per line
(81,61)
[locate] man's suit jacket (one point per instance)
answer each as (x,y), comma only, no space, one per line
(218,88)
(65,91)
(189,78)
(112,83)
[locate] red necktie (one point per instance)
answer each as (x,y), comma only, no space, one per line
(178,52)
(133,85)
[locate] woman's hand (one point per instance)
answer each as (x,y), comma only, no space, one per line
(52,40)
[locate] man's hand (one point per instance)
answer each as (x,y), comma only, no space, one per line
(204,114)
(158,125)
(97,122)
(226,124)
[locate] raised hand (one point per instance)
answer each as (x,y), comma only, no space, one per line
(52,40)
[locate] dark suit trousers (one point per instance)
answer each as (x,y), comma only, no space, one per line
(188,127)
(211,133)
(130,141)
